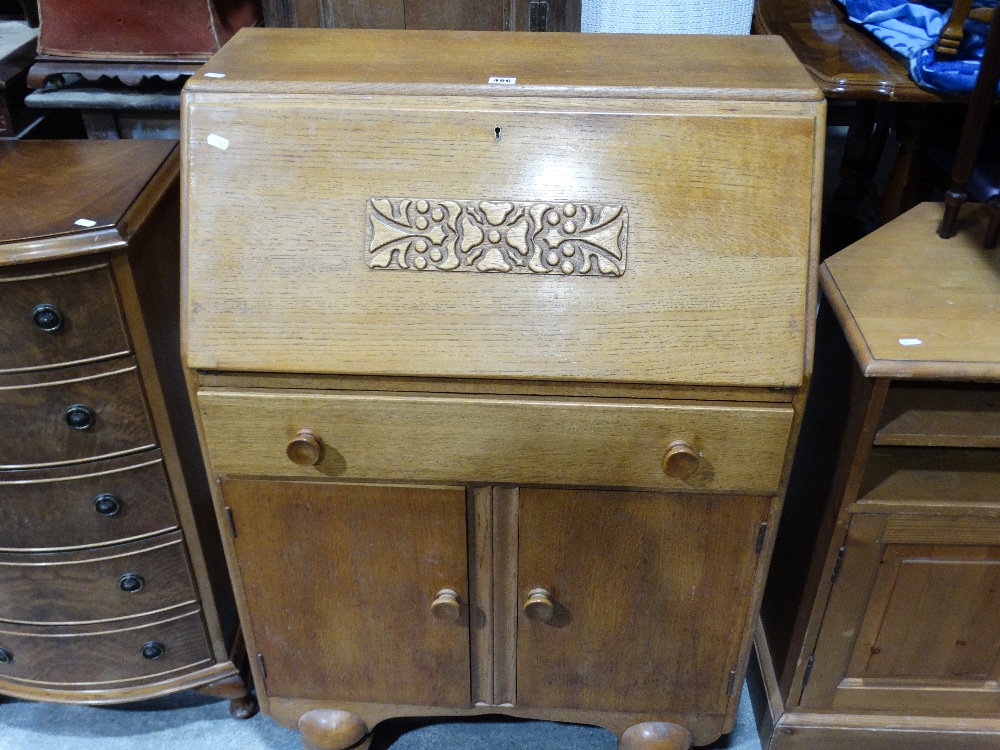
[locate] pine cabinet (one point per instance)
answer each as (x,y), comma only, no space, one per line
(879,624)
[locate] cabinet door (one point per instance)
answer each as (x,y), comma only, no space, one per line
(912,620)
(650,597)
(339,581)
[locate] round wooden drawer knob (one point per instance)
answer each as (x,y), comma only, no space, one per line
(305,448)
(539,605)
(446,605)
(681,460)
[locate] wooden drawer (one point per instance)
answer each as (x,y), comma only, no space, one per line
(38,402)
(104,656)
(508,440)
(59,314)
(111,501)
(95,586)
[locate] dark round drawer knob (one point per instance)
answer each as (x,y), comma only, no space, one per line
(131,583)
(80,417)
(6,657)
(107,504)
(47,317)
(153,650)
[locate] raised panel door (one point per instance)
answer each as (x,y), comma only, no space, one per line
(912,620)
(647,590)
(339,582)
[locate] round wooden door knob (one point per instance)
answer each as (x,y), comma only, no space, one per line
(681,460)
(305,448)
(539,605)
(446,605)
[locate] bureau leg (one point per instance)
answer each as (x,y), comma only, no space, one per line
(655,735)
(242,703)
(330,729)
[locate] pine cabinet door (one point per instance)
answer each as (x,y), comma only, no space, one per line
(913,618)
(647,591)
(343,584)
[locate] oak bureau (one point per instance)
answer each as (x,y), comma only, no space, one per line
(110,581)
(499,344)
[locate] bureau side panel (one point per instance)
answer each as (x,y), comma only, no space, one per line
(511,240)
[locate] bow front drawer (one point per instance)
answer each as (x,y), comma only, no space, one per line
(524,440)
(55,314)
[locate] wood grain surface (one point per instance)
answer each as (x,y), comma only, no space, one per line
(348,60)
(52,509)
(106,176)
(915,305)
(922,480)
(91,324)
(36,403)
(347,612)
(102,657)
(957,415)
(897,636)
(646,587)
(62,588)
(695,284)
(508,440)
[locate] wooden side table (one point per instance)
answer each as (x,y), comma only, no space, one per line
(112,586)
(880,622)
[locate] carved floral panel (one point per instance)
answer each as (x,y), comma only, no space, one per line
(583,239)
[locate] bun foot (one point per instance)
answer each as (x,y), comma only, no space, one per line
(655,735)
(242,703)
(330,729)
(244,708)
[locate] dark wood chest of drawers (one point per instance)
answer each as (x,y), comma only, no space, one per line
(106,534)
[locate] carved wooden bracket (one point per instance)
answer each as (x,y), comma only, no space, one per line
(581,239)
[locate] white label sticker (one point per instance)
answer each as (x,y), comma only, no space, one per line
(85,223)
(218,141)
(502,79)
(910,342)
(215,75)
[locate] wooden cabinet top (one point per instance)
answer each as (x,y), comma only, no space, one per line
(64,198)
(462,63)
(915,305)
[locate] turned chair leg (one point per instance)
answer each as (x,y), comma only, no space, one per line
(242,703)
(330,729)
(655,735)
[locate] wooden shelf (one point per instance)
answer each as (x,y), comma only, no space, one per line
(930,480)
(953,415)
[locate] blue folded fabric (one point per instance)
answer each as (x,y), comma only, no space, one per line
(911,29)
